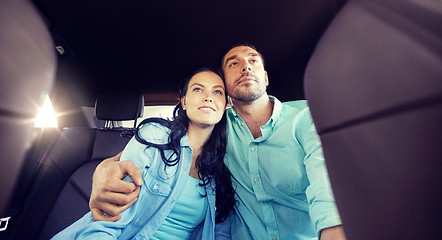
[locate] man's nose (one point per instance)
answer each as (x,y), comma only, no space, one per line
(246,68)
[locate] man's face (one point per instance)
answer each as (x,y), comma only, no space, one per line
(246,79)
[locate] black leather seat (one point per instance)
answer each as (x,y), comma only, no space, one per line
(62,187)
(374,85)
(27,70)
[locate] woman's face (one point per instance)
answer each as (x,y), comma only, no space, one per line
(205,100)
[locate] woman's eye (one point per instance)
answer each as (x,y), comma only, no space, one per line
(197,90)
(218,92)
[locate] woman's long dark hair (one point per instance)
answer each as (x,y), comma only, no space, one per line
(210,162)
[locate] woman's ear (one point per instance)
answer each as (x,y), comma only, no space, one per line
(183,102)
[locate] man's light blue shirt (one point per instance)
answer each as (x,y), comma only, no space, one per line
(280,178)
(159,193)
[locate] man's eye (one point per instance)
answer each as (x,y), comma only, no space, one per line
(253,60)
(233,64)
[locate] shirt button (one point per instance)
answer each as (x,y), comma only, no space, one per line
(155,187)
(273,237)
(265,202)
(256,180)
(253,148)
(242,124)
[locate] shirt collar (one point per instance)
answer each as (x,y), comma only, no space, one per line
(185,141)
(277,108)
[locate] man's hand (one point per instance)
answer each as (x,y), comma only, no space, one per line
(110,194)
(333,233)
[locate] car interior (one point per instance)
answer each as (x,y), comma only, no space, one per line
(370,70)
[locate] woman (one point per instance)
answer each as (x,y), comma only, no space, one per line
(182,165)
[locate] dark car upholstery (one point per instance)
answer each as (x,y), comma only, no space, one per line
(27,70)
(61,190)
(374,85)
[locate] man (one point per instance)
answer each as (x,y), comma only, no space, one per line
(273,153)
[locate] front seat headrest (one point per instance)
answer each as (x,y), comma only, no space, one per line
(119,106)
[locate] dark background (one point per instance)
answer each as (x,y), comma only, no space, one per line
(152,45)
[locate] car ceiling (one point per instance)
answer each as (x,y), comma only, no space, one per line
(152,45)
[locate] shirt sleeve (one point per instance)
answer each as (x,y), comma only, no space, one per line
(113,230)
(86,228)
(139,153)
(322,206)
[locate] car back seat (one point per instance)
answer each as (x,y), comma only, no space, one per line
(62,188)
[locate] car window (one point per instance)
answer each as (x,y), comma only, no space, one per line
(163,111)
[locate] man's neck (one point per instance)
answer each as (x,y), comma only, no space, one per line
(255,114)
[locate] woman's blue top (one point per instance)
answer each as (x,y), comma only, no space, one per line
(187,214)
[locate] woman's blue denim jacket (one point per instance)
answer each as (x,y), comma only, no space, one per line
(160,190)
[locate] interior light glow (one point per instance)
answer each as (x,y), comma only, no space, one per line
(46,117)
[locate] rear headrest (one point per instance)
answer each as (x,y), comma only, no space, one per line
(119,106)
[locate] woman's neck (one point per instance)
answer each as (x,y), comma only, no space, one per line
(198,136)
